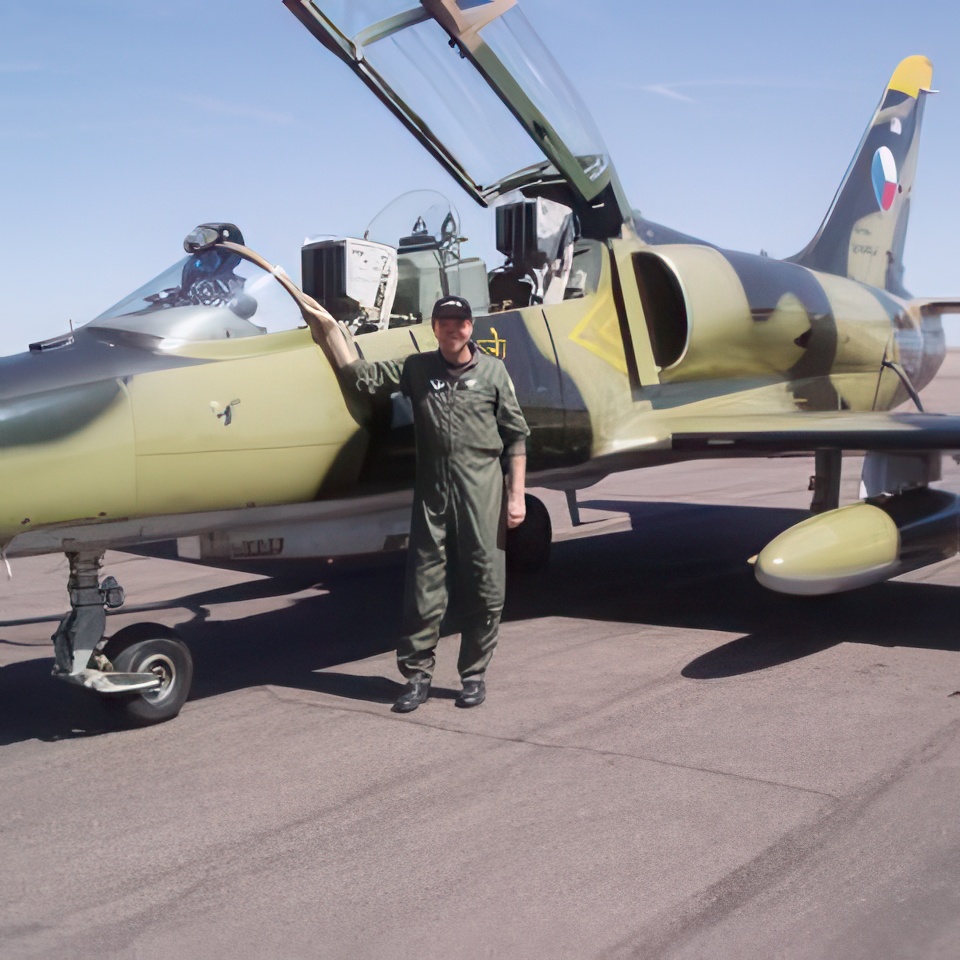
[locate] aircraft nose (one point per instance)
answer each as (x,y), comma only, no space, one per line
(65,454)
(36,418)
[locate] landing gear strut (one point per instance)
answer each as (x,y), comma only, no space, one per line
(825,483)
(145,669)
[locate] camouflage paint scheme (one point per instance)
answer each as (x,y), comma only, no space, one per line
(676,350)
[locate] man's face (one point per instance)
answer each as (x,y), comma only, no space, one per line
(452,335)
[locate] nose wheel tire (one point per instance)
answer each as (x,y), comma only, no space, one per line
(151,648)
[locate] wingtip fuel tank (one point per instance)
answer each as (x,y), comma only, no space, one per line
(862,543)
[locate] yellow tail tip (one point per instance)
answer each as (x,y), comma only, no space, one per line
(912,75)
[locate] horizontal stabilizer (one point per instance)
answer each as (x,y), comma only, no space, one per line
(934,306)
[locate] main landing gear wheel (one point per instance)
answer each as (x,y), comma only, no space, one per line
(528,546)
(151,648)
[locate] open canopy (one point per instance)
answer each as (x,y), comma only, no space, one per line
(475,85)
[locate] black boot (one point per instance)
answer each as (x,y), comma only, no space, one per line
(474,692)
(415,692)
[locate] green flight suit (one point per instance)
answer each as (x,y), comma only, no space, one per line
(464,420)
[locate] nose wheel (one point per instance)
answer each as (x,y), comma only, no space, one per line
(150,648)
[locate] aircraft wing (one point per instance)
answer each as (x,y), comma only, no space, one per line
(765,434)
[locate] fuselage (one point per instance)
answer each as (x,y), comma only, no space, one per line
(110,424)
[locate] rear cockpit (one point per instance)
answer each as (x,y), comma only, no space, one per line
(411,255)
(408,258)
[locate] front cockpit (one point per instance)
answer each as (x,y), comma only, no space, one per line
(213,293)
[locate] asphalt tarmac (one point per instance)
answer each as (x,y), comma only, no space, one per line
(672,762)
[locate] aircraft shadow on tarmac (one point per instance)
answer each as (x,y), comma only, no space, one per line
(678,565)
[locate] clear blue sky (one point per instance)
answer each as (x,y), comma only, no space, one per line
(123,123)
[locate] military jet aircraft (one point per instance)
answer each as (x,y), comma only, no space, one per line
(205,405)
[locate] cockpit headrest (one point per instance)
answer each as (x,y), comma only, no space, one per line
(207,234)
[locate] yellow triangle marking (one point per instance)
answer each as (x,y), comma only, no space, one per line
(599,332)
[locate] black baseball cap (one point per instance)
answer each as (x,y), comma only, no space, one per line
(451,308)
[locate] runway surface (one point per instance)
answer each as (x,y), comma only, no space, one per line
(672,762)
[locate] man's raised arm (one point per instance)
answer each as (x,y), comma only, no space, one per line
(332,338)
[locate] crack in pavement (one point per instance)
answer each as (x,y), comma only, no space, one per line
(595,751)
(787,857)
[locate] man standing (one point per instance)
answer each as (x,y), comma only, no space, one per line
(466,417)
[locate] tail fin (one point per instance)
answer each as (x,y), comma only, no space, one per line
(863,233)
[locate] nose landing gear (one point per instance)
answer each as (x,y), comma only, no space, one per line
(144,670)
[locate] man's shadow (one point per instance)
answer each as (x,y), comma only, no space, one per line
(678,565)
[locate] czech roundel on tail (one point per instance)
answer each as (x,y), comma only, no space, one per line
(207,405)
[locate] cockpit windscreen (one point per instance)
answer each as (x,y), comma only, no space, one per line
(210,295)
